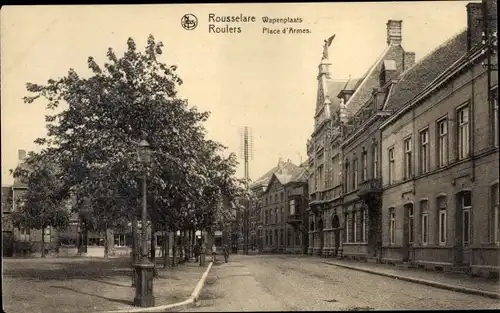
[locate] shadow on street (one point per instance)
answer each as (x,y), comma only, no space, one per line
(94,295)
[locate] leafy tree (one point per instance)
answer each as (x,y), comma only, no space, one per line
(45,202)
(94,142)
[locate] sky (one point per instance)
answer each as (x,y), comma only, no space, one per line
(264,81)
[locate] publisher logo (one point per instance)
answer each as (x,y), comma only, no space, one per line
(189,21)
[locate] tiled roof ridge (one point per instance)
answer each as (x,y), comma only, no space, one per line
(431,53)
(416,81)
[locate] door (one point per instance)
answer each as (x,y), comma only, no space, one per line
(463,227)
(321,236)
(407,232)
(7,243)
(336,233)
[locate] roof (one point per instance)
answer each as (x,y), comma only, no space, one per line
(423,73)
(264,179)
(352,84)
(334,87)
(301,175)
(363,93)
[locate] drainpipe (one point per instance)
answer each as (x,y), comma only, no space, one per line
(471,119)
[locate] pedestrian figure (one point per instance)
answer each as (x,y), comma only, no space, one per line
(197,249)
(226,253)
(214,253)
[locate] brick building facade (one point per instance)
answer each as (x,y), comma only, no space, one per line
(282,196)
(440,156)
(343,151)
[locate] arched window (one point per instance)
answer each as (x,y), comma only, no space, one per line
(466,206)
(442,223)
(392,225)
(311,226)
(424,218)
(411,222)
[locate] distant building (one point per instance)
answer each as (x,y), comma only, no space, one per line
(284,200)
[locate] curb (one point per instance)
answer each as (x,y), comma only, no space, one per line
(186,303)
(466,290)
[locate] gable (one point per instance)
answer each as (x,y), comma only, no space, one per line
(273,184)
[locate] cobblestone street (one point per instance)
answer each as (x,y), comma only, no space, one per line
(269,282)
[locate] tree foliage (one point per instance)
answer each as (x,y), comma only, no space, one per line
(45,202)
(93,142)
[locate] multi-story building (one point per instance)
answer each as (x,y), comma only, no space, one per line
(282,194)
(345,200)
(440,155)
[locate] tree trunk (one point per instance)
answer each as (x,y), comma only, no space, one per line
(43,242)
(174,245)
(165,248)
(106,248)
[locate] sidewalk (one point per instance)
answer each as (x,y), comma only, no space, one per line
(451,281)
(230,287)
(83,285)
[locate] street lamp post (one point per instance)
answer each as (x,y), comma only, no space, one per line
(144,269)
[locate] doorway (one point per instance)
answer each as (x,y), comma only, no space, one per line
(408,232)
(321,236)
(336,234)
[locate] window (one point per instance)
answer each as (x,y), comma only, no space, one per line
(24,235)
(320,178)
(463,133)
(355,175)
(282,214)
(292,207)
(392,226)
(424,151)
(425,221)
(297,238)
(355,226)
(281,196)
(494,100)
(466,211)
(496,214)
(391,165)
(411,223)
(442,225)
(407,158)
(375,161)
(347,228)
(335,170)
(119,240)
(275,198)
(442,151)
(364,166)
(276,215)
(289,237)
(363,225)
(347,177)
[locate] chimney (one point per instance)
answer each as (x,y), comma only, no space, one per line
(394,36)
(409,60)
(474,24)
(280,162)
(21,154)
